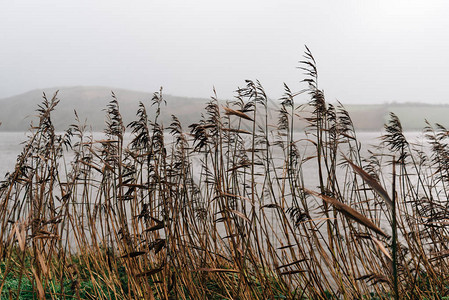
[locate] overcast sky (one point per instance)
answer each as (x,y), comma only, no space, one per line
(367,51)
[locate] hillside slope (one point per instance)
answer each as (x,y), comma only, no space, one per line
(90,103)
(17,112)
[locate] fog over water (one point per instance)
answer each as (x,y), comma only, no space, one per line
(367,51)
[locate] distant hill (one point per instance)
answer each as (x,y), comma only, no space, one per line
(411,115)
(17,112)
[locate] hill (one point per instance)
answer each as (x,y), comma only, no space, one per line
(411,115)
(90,102)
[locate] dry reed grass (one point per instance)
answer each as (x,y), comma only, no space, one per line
(139,221)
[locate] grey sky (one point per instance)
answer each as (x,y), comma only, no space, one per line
(367,51)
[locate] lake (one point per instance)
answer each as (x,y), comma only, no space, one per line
(11,144)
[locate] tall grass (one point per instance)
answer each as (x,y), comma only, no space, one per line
(222,210)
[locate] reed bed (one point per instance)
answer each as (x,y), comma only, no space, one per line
(220,209)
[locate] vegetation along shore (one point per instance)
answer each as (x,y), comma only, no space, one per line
(219,209)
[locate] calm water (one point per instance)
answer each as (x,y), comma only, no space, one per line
(10,147)
(11,144)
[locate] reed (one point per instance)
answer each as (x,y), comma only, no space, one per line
(225,209)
